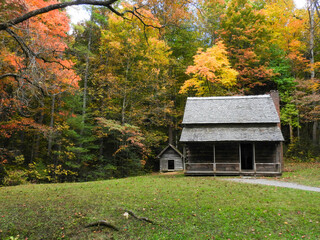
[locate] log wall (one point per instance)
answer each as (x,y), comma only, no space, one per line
(266,152)
(200,153)
(227,152)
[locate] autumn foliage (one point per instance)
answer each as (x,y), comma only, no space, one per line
(211,69)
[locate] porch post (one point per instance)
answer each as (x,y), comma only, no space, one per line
(278,157)
(214,158)
(184,157)
(254,157)
(240,157)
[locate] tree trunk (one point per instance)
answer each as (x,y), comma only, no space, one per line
(291,133)
(123,110)
(311,11)
(38,135)
(53,100)
(124,101)
(314,132)
(170,135)
(101,148)
(298,128)
(85,84)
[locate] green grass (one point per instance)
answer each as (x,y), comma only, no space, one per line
(182,207)
(302,173)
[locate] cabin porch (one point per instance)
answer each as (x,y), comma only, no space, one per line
(233,158)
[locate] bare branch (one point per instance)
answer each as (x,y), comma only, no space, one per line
(52,61)
(117,13)
(137,15)
(17,77)
(27,51)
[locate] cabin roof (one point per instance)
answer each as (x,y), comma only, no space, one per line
(228,133)
(169,146)
(235,109)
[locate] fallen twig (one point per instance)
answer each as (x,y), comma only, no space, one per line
(139,218)
(102,223)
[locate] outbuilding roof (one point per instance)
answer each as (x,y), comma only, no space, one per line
(166,148)
(225,110)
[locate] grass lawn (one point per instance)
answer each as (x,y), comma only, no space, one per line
(181,207)
(302,173)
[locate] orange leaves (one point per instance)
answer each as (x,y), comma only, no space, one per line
(212,66)
(168,11)
(45,36)
(13,126)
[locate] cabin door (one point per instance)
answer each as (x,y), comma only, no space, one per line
(170,164)
(247,156)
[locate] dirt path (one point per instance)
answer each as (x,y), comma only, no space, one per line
(274,183)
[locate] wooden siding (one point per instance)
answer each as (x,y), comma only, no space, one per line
(170,154)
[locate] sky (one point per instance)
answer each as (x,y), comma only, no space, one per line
(300,3)
(78,13)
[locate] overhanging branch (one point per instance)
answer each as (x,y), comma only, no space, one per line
(6,25)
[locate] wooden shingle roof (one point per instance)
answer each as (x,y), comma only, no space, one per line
(239,118)
(166,148)
(225,110)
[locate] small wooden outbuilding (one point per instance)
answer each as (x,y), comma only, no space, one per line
(170,159)
(237,135)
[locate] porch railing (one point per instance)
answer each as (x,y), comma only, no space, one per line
(231,167)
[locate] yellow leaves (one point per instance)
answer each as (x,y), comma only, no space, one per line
(286,23)
(115,45)
(58,170)
(210,66)
(191,84)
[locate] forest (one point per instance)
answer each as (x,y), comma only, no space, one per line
(100,99)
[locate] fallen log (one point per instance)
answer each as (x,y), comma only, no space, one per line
(102,223)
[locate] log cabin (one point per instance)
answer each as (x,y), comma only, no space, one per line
(238,135)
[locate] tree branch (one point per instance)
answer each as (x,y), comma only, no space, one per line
(108,3)
(16,77)
(27,51)
(4,26)
(139,218)
(139,16)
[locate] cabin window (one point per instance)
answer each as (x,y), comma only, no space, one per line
(247,156)
(170,164)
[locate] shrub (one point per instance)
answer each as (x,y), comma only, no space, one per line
(15,177)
